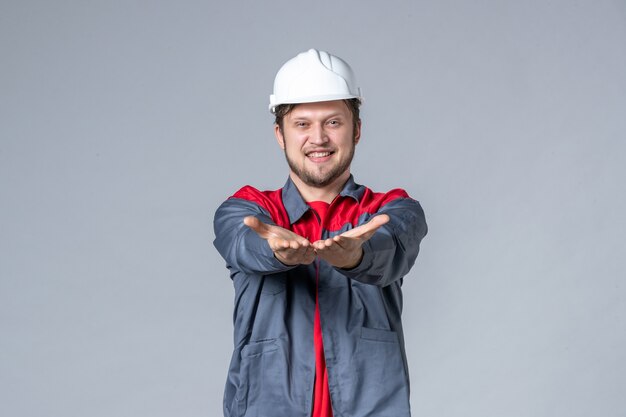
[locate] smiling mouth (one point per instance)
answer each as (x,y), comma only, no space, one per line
(319,154)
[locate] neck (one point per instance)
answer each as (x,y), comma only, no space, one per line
(326,193)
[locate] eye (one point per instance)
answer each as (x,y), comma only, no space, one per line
(301,124)
(333,122)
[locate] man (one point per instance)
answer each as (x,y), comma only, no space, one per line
(317,266)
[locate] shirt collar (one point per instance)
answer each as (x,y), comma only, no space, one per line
(296,206)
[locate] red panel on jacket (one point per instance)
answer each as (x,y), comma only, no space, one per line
(322,406)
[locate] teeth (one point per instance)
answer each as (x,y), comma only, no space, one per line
(319,154)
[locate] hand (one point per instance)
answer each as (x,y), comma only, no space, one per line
(345,250)
(288,247)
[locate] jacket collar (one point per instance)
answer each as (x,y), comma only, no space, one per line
(296,206)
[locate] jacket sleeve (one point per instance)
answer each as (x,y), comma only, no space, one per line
(391,252)
(240,246)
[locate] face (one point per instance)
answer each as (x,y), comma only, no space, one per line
(319,141)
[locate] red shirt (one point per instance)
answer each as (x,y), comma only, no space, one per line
(322,406)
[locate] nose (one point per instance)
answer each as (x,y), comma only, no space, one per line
(318,134)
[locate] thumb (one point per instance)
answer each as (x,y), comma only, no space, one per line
(373,225)
(377,221)
(255,224)
(365,231)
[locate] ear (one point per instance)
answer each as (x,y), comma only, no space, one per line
(357,133)
(280,138)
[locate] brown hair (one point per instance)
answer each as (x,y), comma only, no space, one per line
(353,104)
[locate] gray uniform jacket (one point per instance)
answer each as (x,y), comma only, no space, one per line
(272,369)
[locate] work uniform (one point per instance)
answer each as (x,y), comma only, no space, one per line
(273,368)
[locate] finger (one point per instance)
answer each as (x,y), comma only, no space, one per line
(329,246)
(278,244)
(346,243)
(322,244)
(291,246)
(292,256)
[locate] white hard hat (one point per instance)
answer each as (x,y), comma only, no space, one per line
(313,76)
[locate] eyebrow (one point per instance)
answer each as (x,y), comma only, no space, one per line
(329,116)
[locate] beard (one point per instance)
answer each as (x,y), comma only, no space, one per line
(321,179)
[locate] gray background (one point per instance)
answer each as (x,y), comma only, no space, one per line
(124,124)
